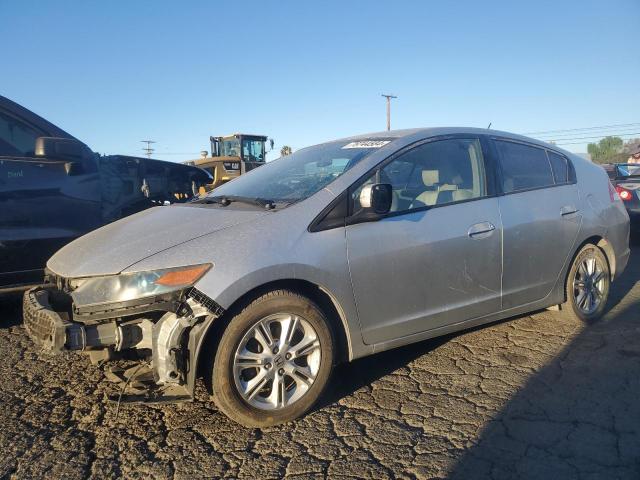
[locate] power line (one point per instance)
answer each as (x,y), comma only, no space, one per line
(178,153)
(592,138)
(148,150)
(194,154)
(584,128)
(603,132)
(601,136)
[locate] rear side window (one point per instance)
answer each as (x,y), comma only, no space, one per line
(560,167)
(523,167)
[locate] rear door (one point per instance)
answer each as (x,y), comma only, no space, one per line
(435,259)
(540,219)
(44,203)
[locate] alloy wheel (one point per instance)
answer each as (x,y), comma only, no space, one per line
(588,285)
(276,361)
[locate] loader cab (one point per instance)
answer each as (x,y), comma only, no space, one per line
(231,156)
(247,148)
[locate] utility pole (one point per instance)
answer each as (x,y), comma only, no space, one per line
(148,150)
(389,97)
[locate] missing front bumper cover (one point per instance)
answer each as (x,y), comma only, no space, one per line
(163,341)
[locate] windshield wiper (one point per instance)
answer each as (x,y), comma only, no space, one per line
(226,200)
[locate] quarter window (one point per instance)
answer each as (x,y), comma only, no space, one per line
(435,173)
(523,167)
(560,167)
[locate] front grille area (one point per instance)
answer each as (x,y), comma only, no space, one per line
(45,327)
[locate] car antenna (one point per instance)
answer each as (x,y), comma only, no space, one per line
(489,126)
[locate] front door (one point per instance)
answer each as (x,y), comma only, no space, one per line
(435,259)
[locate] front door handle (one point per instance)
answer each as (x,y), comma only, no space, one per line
(481,230)
(568,210)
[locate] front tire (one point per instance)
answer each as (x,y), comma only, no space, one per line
(274,360)
(588,283)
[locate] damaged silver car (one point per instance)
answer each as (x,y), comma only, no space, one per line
(336,252)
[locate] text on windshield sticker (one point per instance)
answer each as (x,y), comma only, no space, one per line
(367,144)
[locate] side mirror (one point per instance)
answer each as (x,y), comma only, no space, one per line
(60,148)
(377,197)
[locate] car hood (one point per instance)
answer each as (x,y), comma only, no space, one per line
(114,247)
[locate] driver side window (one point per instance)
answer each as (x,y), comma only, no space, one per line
(17,139)
(435,173)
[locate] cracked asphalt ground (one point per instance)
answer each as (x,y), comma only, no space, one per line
(538,396)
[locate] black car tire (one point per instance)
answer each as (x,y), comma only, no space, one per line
(226,394)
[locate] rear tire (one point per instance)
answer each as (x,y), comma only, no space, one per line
(274,360)
(588,283)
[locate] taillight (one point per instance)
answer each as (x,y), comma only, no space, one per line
(624,194)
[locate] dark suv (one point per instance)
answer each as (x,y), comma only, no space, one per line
(53,188)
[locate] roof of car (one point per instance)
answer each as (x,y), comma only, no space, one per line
(33,118)
(433,131)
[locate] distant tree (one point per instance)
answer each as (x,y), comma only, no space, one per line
(631,146)
(285,150)
(607,150)
(631,151)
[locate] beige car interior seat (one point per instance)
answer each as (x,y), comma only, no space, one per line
(430,179)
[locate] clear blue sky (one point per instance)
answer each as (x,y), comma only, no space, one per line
(116,72)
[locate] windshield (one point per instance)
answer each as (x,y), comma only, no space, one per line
(252,150)
(629,170)
(230,147)
(297,176)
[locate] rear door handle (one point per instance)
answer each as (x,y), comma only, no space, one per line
(568,210)
(481,230)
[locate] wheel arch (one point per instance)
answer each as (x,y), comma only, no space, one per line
(606,249)
(602,243)
(207,344)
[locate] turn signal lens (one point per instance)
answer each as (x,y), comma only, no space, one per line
(625,195)
(183,277)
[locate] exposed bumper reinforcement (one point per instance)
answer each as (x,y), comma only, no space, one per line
(45,326)
(53,331)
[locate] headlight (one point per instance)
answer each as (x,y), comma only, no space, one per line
(231,165)
(131,286)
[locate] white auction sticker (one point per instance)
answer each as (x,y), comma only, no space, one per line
(367,144)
